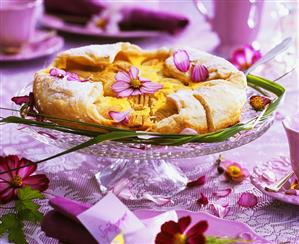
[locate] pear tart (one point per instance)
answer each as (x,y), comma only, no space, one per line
(122,85)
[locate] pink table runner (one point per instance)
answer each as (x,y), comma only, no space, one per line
(72,176)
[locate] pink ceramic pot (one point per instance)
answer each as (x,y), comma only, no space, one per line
(291,126)
(18,19)
(236,22)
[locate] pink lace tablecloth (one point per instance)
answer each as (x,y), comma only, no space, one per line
(72,176)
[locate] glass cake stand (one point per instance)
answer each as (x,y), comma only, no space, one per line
(143,171)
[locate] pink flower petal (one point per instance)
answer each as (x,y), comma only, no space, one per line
(136,92)
(292,192)
(134,72)
(37,182)
(26,171)
(199,73)
(181,60)
(21,100)
(57,72)
(7,195)
(125,93)
(160,201)
(244,57)
(120,86)
(188,131)
(203,200)
(247,200)
(219,210)
(123,77)
(198,182)
(222,192)
(119,116)
(150,87)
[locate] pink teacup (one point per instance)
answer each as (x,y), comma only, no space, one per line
(18,20)
(236,22)
(291,126)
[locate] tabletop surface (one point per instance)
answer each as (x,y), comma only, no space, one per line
(72,175)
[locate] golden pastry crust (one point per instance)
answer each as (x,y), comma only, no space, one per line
(204,106)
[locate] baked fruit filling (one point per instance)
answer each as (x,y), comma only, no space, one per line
(125,86)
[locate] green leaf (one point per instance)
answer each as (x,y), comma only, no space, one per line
(27,209)
(13,225)
(27,193)
(219,240)
(16,234)
(6,222)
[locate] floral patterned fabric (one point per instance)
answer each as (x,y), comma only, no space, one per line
(72,175)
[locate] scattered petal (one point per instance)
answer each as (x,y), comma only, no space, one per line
(247,200)
(198,182)
(199,73)
(203,200)
(293,192)
(188,131)
(160,201)
(181,60)
(120,116)
(20,100)
(223,192)
(220,210)
(259,102)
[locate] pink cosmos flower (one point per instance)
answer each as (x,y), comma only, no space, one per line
(244,57)
(130,84)
(10,182)
(175,232)
(234,171)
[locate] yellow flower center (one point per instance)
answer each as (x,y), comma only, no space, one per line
(16,181)
(136,83)
(234,171)
(180,239)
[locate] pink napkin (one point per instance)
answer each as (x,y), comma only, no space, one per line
(85,8)
(147,19)
(62,223)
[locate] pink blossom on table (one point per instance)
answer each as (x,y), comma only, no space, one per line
(222,192)
(130,84)
(203,200)
(199,73)
(247,200)
(198,182)
(188,131)
(120,117)
(20,100)
(181,60)
(10,182)
(234,171)
(220,211)
(244,57)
